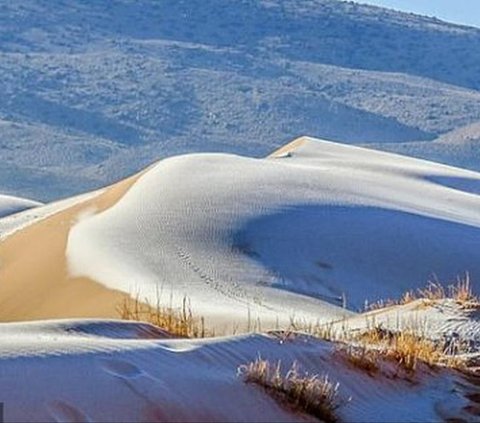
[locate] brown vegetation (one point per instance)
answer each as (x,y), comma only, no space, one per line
(311,394)
(360,357)
(461,292)
(177,321)
(405,348)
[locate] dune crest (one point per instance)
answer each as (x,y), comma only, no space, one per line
(292,236)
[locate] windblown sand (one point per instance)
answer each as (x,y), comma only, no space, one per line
(35,282)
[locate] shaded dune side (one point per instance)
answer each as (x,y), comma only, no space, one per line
(34,279)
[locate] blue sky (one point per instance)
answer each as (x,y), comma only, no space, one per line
(465,12)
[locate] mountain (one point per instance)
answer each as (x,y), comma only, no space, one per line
(95,91)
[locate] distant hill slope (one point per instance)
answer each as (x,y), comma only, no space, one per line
(322,31)
(93,91)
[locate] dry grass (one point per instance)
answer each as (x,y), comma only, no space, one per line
(310,394)
(406,348)
(178,321)
(366,349)
(434,291)
(378,305)
(463,292)
(410,346)
(460,291)
(360,357)
(408,297)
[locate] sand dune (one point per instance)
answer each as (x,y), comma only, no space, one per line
(295,235)
(78,371)
(288,237)
(283,235)
(35,280)
(10,205)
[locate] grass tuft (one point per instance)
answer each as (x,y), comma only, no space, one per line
(461,292)
(360,357)
(434,291)
(406,348)
(177,321)
(311,394)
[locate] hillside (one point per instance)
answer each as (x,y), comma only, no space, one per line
(94,92)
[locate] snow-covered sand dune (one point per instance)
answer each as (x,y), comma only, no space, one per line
(297,235)
(81,371)
(312,227)
(446,322)
(10,205)
(316,223)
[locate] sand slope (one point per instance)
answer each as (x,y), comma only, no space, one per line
(35,281)
(290,236)
(314,222)
(296,235)
(108,371)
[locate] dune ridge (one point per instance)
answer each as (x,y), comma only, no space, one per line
(258,240)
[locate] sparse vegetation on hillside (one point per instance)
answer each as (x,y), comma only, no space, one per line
(178,321)
(360,357)
(406,348)
(312,394)
(403,347)
(461,291)
(364,350)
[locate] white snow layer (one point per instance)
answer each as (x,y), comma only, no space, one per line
(10,205)
(37,212)
(96,370)
(284,236)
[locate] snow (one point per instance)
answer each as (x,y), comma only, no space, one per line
(83,371)
(459,147)
(37,212)
(436,320)
(94,92)
(10,205)
(282,237)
